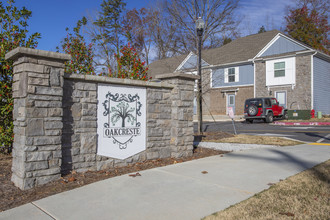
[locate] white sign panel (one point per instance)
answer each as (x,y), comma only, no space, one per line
(231,112)
(121,120)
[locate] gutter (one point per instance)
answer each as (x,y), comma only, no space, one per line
(254,78)
(312,80)
(228,64)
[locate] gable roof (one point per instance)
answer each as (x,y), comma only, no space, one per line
(167,65)
(238,51)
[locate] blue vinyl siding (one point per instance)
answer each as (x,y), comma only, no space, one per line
(246,77)
(191,63)
(282,45)
(321,85)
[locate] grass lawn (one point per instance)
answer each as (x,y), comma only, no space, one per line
(251,139)
(303,196)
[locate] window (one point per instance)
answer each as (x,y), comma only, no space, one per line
(274,102)
(279,69)
(231,99)
(231,75)
(267,103)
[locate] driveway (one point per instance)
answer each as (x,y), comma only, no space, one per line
(315,134)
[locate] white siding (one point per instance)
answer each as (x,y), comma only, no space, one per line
(290,72)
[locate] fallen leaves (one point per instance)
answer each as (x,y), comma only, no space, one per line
(134,175)
(204,172)
(286,213)
(71,179)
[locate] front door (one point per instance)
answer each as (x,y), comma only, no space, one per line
(231,102)
(281,98)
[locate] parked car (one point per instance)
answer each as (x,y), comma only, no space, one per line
(263,108)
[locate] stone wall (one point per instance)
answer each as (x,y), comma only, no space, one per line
(55,118)
(37,92)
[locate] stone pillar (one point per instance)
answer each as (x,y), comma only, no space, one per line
(182,127)
(37,93)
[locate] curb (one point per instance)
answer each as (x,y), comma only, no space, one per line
(303,123)
(231,146)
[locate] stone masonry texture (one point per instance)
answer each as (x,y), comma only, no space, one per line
(55,118)
(298,95)
(37,92)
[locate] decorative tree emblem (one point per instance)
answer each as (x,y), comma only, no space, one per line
(126,108)
(123,111)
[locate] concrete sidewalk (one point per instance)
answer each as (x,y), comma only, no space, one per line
(178,191)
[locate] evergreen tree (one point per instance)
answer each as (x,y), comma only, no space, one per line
(261,30)
(13,34)
(81,54)
(109,35)
(309,27)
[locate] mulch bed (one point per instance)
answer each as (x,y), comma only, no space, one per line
(11,196)
(210,136)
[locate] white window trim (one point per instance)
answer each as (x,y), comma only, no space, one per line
(211,78)
(184,61)
(236,86)
(226,74)
(279,69)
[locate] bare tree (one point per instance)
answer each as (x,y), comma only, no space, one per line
(104,60)
(219,17)
(321,6)
(138,25)
(164,33)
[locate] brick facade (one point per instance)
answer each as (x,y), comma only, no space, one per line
(218,99)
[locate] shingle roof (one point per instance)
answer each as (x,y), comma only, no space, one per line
(239,50)
(168,65)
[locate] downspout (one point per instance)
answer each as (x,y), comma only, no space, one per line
(254,78)
(312,80)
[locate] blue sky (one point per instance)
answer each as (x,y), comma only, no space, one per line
(51,17)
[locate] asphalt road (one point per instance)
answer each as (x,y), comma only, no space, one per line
(314,134)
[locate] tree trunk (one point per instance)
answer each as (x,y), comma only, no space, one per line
(123,123)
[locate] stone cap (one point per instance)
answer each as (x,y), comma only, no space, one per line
(129,82)
(177,75)
(23,51)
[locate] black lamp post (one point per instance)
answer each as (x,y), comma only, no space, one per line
(199,29)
